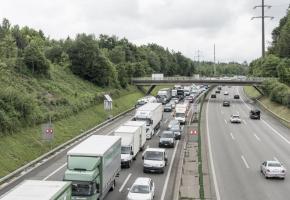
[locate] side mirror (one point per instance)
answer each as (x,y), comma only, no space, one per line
(131,153)
(142,157)
(165,158)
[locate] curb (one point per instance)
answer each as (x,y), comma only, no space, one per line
(22,171)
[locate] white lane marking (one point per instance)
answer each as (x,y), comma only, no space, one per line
(243,100)
(243,158)
(276,159)
(277,133)
(257,138)
(166,120)
(238,113)
(218,197)
(54,172)
(245,122)
(158,132)
(125,182)
(232,136)
(226,121)
(169,172)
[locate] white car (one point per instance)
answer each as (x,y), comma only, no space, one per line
(175,99)
(235,118)
(142,188)
(226,93)
(272,168)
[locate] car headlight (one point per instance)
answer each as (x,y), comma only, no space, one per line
(161,165)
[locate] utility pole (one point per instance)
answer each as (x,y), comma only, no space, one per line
(214,67)
(263,23)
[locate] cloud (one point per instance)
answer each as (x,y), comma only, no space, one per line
(181,25)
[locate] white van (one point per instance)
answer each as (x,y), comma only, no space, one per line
(155,160)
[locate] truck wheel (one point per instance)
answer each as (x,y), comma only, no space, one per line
(113,186)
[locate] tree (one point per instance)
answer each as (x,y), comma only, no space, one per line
(35,60)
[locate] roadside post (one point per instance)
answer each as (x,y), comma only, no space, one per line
(108,105)
(48,132)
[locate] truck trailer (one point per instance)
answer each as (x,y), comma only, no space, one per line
(93,165)
(130,143)
(151,113)
(143,133)
(40,190)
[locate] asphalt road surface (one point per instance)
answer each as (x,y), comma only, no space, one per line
(164,183)
(237,150)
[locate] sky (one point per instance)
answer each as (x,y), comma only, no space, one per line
(192,27)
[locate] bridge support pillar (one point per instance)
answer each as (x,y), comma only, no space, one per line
(150,89)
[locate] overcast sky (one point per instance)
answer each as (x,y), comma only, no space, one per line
(181,25)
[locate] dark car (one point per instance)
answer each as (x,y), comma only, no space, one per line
(213,96)
(217,92)
(255,114)
(177,131)
(226,103)
(168,107)
(236,96)
(219,88)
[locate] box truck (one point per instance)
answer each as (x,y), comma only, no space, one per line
(164,95)
(93,165)
(180,113)
(143,133)
(130,143)
(36,190)
(151,113)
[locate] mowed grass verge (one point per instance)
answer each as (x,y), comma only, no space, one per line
(276,108)
(26,145)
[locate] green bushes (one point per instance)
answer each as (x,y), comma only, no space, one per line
(278,92)
(16,109)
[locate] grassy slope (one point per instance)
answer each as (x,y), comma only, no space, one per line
(25,145)
(276,108)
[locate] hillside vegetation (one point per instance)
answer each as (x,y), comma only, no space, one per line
(276,64)
(43,78)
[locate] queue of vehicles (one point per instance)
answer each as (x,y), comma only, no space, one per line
(94,164)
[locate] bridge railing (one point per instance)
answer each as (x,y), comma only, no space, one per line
(177,78)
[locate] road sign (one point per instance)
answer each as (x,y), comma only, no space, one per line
(47,132)
(108,102)
(194,132)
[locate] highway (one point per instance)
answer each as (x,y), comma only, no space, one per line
(164,183)
(237,150)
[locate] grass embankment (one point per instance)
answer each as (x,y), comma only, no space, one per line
(26,145)
(276,108)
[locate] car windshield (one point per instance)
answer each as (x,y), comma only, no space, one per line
(83,189)
(143,189)
(179,115)
(153,155)
(274,165)
(236,116)
(125,150)
(175,128)
(168,105)
(167,135)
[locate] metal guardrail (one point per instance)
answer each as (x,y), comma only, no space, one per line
(206,80)
(15,175)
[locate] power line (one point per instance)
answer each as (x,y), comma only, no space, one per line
(263,23)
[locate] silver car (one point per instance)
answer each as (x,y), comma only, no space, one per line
(273,168)
(235,118)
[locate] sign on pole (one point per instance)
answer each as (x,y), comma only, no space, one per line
(108,103)
(47,132)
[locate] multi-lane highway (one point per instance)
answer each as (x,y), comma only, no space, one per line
(237,150)
(164,183)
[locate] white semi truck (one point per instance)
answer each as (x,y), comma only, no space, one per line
(36,190)
(130,143)
(143,133)
(93,166)
(151,113)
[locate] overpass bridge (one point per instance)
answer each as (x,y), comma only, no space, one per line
(149,81)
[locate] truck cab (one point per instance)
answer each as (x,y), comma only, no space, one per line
(154,160)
